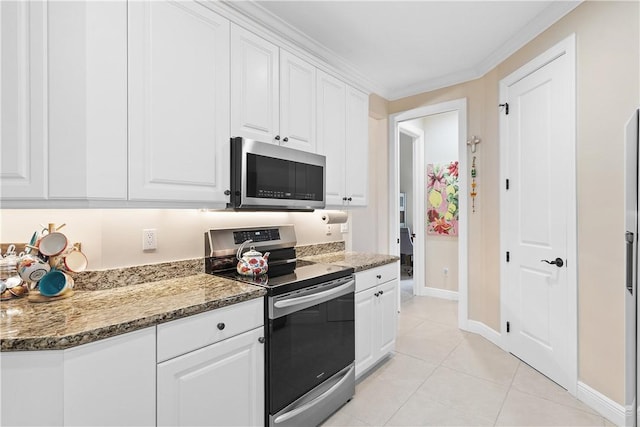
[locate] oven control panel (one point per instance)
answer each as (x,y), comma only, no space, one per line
(263,235)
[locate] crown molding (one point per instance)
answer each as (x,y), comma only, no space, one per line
(255,18)
(550,15)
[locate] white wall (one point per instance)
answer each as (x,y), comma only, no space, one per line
(113,237)
(406,176)
(441,252)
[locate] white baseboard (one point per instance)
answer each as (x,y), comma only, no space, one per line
(439,293)
(484,331)
(613,411)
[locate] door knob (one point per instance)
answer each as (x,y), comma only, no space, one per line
(557,262)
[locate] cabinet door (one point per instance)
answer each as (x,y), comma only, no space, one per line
(387,315)
(331,134)
(24,104)
(112,381)
(31,388)
(178,102)
(297,103)
(254,86)
(88,100)
(218,385)
(366,347)
(357,147)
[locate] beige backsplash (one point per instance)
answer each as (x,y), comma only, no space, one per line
(118,277)
(112,238)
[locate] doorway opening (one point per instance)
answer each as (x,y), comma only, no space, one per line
(428,144)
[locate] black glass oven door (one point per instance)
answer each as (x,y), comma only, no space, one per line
(310,344)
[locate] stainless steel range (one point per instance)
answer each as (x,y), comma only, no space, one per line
(309,324)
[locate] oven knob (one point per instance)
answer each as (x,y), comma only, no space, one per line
(221,326)
(261,340)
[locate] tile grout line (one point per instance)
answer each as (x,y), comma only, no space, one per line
(421,384)
(507,393)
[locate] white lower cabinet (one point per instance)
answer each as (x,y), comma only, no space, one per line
(376,302)
(112,381)
(217,378)
(218,385)
(107,382)
(210,372)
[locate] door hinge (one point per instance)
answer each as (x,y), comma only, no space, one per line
(508,327)
(506,107)
(507,184)
(508,256)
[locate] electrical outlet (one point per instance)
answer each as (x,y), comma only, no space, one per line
(344,228)
(149,242)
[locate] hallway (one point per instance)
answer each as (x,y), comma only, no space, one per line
(440,375)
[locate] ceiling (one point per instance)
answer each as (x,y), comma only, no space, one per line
(400,48)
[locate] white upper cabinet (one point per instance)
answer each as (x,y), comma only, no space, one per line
(331,134)
(297,103)
(23,97)
(357,147)
(88,100)
(132,103)
(255,86)
(343,139)
(64,98)
(273,93)
(178,102)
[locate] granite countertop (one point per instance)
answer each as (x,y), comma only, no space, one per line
(359,261)
(114,302)
(93,315)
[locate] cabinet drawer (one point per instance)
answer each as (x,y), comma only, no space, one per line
(193,332)
(376,276)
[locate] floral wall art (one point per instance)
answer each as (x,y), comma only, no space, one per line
(442,199)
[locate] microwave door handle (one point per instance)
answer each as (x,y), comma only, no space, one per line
(314,297)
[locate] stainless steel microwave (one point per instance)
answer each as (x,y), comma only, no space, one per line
(270,177)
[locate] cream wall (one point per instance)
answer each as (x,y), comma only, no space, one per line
(113,237)
(608,58)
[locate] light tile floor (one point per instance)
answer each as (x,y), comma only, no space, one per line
(442,376)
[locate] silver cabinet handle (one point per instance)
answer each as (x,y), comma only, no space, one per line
(307,298)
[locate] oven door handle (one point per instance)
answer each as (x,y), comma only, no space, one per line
(314,297)
(338,383)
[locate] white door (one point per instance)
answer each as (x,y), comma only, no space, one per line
(218,385)
(297,103)
(254,87)
(178,102)
(538,217)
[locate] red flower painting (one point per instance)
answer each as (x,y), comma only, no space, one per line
(442,199)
